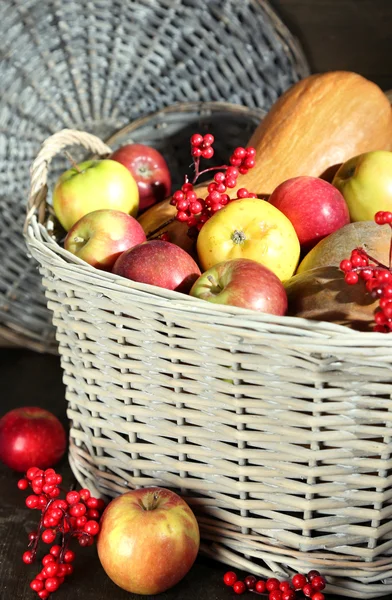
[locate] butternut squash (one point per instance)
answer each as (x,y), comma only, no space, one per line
(318,123)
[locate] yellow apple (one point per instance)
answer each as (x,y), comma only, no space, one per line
(250,228)
(94,185)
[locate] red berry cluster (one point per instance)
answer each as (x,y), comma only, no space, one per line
(76,516)
(196,211)
(377,277)
(311,586)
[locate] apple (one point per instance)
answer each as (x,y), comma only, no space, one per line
(314,206)
(366,184)
(148,541)
(149,170)
(31,437)
(102,235)
(93,185)
(250,228)
(158,263)
(242,282)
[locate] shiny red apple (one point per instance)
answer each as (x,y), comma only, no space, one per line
(150,171)
(158,263)
(314,206)
(102,235)
(31,437)
(149,540)
(242,282)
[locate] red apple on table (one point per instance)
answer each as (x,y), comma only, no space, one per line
(314,206)
(150,171)
(94,185)
(158,263)
(102,235)
(31,437)
(149,540)
(242,282)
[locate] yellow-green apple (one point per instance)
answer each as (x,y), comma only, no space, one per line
(148,541)
(242,282)
(158,263)
(93,185)
(102,235)
(250,228)
(149,170)
(31,437)
(315,208)
(366,184)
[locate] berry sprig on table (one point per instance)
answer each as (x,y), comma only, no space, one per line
(75,516)
(195,211)
(377,277)
(309,585)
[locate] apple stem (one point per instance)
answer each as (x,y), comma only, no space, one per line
(72,161)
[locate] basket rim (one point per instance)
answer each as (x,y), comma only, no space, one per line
(40,243)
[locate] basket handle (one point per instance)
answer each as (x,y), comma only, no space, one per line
(39,169)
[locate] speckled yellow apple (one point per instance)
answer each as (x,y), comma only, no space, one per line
(149,540)
(94,185)
(250,228)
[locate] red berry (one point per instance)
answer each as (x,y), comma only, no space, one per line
(208,153)
(307,590)
(272,584)
(249,163)
(48,558)
(84,494)
(299,580)
(196,207)
(92,528)
(250,582)
(69,569)
(52,584)
(72,497)
(239,152)
(55,550)
(37,585)
(81,522)
(48,536)
(351,278)
(196,152)
(318,596)
(182,216)
(78,510)
(23,484)
(243,170)
(318,583)
(196,139)
(275,595)
(31,473)
(239,587)
(250,151)
(51,569)
(43,594)
(313,573)
(284,586)
(69,556)
(31,501)
(260,586)
(28,557)
(288,595)
(32,536)
(230,578)
(187,187)
(231,182)
(94,514)
(62,570)
(208,139)
(219,177)
(37,484)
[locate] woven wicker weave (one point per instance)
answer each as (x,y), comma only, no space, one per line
(277,430)
(98,64)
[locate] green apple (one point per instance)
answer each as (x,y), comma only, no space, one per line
(366,184)
(94,185)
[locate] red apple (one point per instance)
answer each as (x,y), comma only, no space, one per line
(31,437)
(148,541)
(314,206)
(150,171)
(158,263)
(242,282)
(102,235)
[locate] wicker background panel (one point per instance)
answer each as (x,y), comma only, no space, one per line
(96,65)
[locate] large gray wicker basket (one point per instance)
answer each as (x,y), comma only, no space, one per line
(97,65)
(277,430)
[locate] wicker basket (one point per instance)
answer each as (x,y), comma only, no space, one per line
(98,64)
(277,430)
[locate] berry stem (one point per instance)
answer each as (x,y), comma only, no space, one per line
(200,173)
